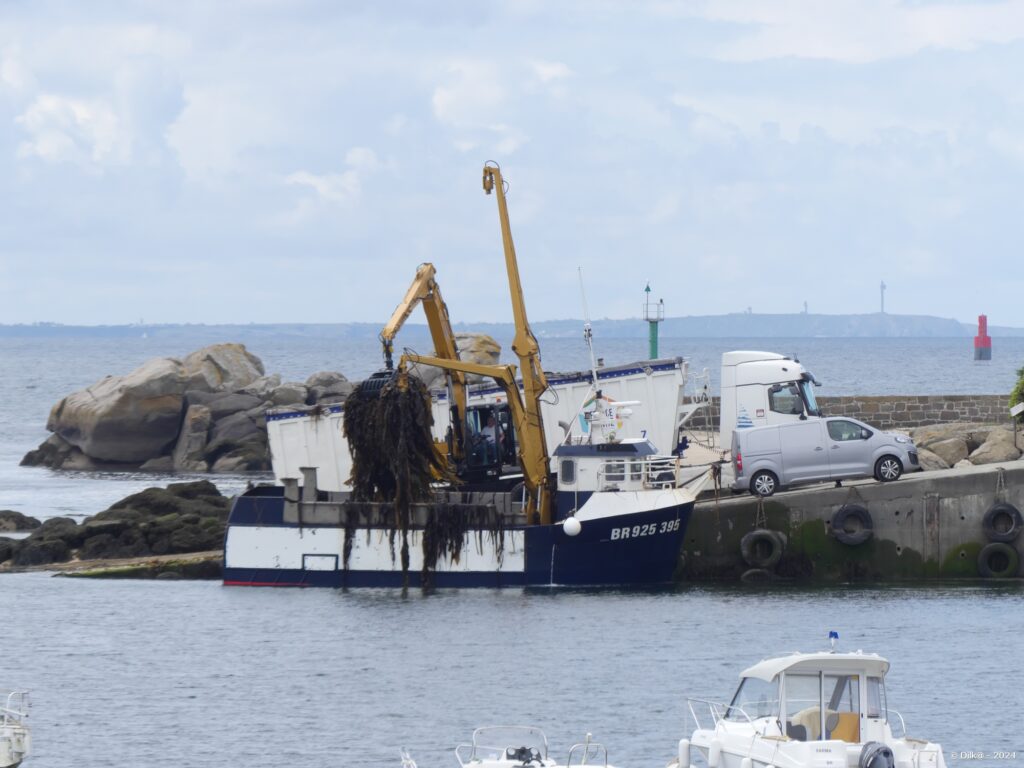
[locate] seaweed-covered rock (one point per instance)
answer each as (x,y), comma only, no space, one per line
(16,521)
(8,548)
(41,552)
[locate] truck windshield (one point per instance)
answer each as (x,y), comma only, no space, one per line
(807,391)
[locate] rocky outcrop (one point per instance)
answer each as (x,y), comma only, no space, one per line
(11,521)
(999,446)
(222,368)
(964,445)
(203,413)
(182,518)
(473,347)
(128,418)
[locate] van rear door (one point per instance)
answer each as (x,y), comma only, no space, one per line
(803,451)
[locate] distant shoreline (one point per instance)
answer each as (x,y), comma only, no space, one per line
(736,325)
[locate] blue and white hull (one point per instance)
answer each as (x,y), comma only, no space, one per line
(629,537)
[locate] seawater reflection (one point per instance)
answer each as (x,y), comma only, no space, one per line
(180,673)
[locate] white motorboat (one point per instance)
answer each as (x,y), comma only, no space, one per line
(517,746)
(807,710)
(15,739)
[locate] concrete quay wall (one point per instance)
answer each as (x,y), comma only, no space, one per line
(927,525)
(900,411)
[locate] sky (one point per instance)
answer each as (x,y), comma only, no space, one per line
(295,161)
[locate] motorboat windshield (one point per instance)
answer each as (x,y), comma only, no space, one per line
(755,698)
(507,741)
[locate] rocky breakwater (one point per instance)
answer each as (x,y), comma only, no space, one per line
(157,523)
(201,413)
(943,446)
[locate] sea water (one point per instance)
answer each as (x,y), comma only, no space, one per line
(192,673)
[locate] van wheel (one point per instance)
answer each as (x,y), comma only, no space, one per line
(764,483)
(888,468)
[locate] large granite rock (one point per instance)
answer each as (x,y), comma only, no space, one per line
(128,418)
(327,387)
(135,420)
(951,450)
(189,451)
(473,348)
(222,367)
(998,447)
(930,461)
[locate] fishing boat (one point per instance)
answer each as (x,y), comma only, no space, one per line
(621,512)
(519,746)
(807,710)
(598,510)
(15,739)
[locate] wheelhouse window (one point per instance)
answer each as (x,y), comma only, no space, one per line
(785,399)
(805,694)
(754,698)
(567,470)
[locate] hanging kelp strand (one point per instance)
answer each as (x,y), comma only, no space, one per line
(387,423)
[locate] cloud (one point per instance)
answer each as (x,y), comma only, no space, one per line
(63,129)
(333,190)
(547,71)
(858,30)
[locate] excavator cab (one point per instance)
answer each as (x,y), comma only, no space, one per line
(491,447)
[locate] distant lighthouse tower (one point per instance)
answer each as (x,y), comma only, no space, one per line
(982,342)
(654,313)
(881,288)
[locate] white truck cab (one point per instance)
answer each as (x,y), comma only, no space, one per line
(761,388)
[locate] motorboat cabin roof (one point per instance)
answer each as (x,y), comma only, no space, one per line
(868,664)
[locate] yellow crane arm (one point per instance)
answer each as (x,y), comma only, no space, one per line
(425,291)
(532,450)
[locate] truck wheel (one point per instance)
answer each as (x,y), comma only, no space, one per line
(764,483)
(888,468)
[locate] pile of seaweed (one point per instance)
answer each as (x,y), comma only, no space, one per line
(387,423)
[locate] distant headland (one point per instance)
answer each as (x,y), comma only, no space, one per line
(735,325)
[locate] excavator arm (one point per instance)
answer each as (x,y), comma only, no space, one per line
(532,450)
(525,343)
(425,291)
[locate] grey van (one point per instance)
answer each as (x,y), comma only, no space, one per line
(813,450)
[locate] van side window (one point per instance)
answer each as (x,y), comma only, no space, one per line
(841,431)
(785,399)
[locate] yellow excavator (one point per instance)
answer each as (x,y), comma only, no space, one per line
(483,436)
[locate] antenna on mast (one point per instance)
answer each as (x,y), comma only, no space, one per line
(588,332)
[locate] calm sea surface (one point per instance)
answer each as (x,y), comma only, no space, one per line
(170,674)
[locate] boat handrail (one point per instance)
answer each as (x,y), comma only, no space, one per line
(717,709)
(649,471)
(586,747)
(16,708)
(903,725)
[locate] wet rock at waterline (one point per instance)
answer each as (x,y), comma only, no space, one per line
(11,521)
(182,518)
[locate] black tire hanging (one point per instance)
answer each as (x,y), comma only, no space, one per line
(1002,523)
(858,518)
(998,561)
(762,548)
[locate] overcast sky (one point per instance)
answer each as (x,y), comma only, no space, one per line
(295,161)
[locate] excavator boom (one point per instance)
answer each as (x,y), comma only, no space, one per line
(424,290)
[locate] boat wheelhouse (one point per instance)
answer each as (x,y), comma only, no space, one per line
(807,710)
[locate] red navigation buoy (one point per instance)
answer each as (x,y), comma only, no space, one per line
(982,342)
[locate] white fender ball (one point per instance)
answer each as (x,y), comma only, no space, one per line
(572,526)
